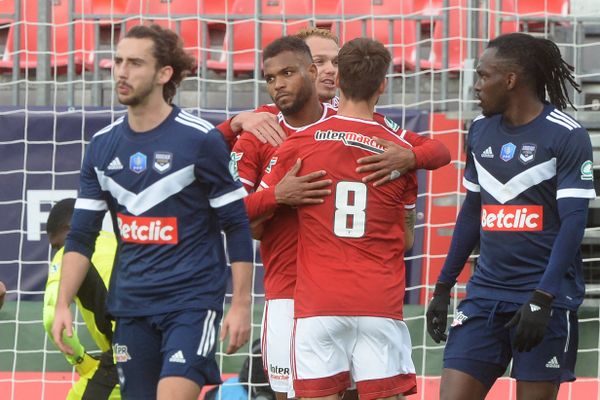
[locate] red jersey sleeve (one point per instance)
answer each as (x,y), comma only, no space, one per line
(429,153)
(247,155)
(411,189)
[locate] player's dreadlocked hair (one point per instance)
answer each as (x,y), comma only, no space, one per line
(541,61)
(168,50)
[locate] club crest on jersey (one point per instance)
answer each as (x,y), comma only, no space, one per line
(233,168)
(527,153)
(162,161)
(507,152)
(587,173)
(138,162)
(352,139)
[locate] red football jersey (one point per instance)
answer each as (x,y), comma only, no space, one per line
(278,243)
(351,247)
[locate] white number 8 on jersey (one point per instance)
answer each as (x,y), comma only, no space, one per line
(350,200)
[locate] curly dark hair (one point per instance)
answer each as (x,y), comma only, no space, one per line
(540,60)
(168,50)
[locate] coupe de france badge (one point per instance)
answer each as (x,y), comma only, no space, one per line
(507,152)
(527,153)
(138,163)
(162,161)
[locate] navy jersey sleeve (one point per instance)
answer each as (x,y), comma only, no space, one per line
(90,208)
(574,167)
(216,168)
(470,178)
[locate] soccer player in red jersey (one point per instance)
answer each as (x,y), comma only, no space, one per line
(352,241)
(426,153)
(290,77)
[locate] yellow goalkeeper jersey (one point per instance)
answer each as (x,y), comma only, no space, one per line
(98,376)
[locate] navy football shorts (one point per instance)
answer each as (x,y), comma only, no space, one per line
(181,343)
(479,344)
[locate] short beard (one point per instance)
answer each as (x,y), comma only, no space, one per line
(302,97)
(139,98)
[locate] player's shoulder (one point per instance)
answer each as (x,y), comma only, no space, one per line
(560,122)
(270,108)
(109,130)
(192,124)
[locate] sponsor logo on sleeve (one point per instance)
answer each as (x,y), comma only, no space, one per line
(162,161)
(147,230)
(272,163)
(527,153)
(138,162)
(507,152)
(587,173)
(391,124)
(521,218)
(233,167)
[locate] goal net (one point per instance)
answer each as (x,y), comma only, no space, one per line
(56,91)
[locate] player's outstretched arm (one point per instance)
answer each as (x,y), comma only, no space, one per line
(236,324)
(294,190)
(263,125)
(74,269)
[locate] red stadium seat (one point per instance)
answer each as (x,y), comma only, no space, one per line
(402,44)
(180,16)
(112,9)
(458,36)
(7,7)
(530,11)
(243,31)
(59,31)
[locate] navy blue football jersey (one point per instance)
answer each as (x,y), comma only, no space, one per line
(166,189)
(521,173)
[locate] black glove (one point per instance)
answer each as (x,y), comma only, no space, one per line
(437,312)
(531,321)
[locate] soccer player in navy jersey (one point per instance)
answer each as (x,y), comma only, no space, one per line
(529,181)
(164,176)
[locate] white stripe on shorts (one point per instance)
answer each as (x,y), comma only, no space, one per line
(208,332)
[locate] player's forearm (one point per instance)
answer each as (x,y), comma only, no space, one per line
(260,204)
(464,238)
(431,154)
(241,273)
(573,218)
(74,269)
